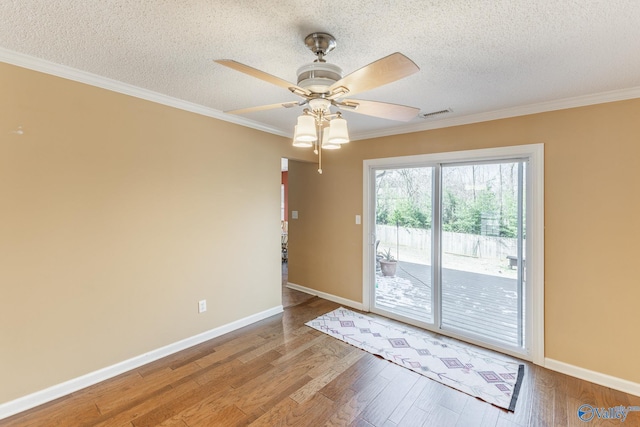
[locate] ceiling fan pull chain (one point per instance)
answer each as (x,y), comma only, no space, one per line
(320,133)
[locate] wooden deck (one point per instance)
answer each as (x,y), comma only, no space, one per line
(477,303)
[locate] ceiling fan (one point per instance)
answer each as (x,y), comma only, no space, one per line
(321,84)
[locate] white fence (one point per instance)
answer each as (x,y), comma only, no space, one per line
(454,243)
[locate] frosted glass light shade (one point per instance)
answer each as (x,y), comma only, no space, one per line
(330,146)
(326,145)
(338,133)
(297,142)
(306,129)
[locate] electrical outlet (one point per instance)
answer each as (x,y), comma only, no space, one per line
(202,306)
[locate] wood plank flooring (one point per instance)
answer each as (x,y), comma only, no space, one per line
(279,372)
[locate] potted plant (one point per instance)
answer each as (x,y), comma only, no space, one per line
(388,263)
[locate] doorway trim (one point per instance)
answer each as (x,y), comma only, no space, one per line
(535,217)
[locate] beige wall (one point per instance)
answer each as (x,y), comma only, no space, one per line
(592,242)
(325,245)
(116,216)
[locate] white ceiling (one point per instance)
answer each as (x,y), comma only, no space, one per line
(482,59)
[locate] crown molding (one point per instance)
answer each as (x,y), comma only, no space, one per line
(69,73)
(524,110)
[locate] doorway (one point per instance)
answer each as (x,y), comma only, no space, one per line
(454,245)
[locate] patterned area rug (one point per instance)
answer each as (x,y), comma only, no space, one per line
(493,378)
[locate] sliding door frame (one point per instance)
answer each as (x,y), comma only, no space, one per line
(534,153)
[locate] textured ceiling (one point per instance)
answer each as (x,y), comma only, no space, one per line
(476,57)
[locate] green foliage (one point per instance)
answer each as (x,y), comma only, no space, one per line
(477,199)
(509,219)
(407,214)
(477,216)
(404,197)
(386,255)
(382,215)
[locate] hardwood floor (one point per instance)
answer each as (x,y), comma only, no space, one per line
(289,296)
(280,372)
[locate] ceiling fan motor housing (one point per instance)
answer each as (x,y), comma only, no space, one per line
(318,76)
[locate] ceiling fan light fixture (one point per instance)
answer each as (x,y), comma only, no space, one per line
(297,142)
(306,129)
(329,146)
(326,145)
(338,132)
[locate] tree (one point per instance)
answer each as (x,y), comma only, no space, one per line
(403,197)
(476,199)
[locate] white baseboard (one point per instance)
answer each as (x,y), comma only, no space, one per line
(330,297)
(59,390)
(593,376)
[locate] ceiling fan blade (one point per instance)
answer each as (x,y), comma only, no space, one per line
(254,72)
(386,70)
(384,110)
(266,107)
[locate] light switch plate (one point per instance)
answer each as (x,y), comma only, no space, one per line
(294,214)
(358,220)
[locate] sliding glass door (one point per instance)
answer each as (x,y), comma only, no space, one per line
(450,251)
(481,248)
(403,225)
